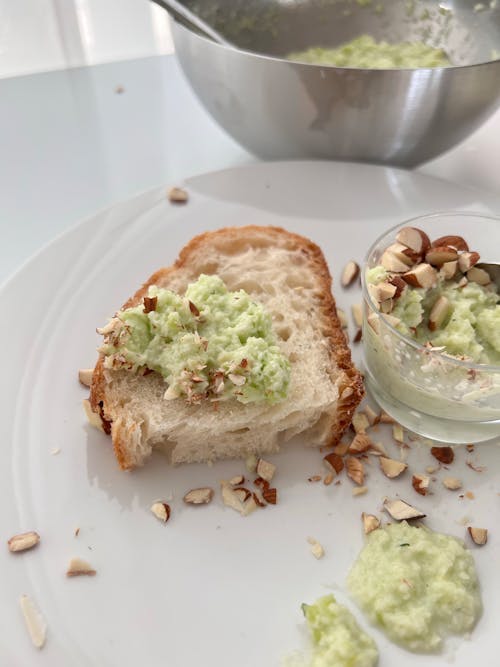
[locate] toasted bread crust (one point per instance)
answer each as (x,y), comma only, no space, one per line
(351,391)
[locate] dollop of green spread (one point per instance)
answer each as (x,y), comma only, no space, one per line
(417,585)
(337,638)
(209,343)
(471,329)
(365,52)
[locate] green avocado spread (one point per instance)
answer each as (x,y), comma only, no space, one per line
(365,53)
(471,328)
(338,641)
(209,343)
(418,586)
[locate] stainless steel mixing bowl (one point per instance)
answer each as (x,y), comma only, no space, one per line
(279,109)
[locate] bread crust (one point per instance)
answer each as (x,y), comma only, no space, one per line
(350,392)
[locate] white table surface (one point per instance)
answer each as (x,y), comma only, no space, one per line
(70,144)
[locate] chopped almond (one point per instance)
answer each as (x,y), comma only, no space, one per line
(34,620)
(161,511)
(371,415)
(474,466)
(398,433)
(316,548)
(341,448)
(439,255)
(360,422)
(449,269)
(359,490)
(467,260)
(78,567)
(393,263)
(452,483)
(400,510)
(237,480)
(349,273)
(328,479)
(314,478)
(469,448)
(379,449)
(421,484)
(358,336)
(265,469)
(469,495)
(414,238)
(270,496)
(453,241)
(177,196)
(392,468)
(342,318)
(479,535)
(201,496)
(374,322)
(150,303)
(334,462)
(23,541)
(385,418)
(242,493)
(231,498)
(443,454)
(355,470)
(479,276)
(85,376)
(370,522)
(357,314)
(439,312)
(360,443)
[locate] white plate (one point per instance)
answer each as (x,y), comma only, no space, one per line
(210,587)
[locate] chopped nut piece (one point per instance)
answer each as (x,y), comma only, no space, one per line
(265,469)
(242,493)
(430,470)
(342,318)
(334,462)
(392,468)
(421,484)
(261,483)
(449,269)
(452,483)
(360,443)
(328,479)
(359,490)
(349,273)
(370,522)
(390,319)
(393,263)
(400,510)
(399,284)
(358,336)
(85,376)
(93,418)
(231,498)
(379,449)
(316,548)
(385,418)
(78,567)
(469,448)
(443,454)
(479,276)
(439,255)
(371,415)
(34,620)
(414,238)
(237,480)
(341,448)
(479,535)
(355,470)
(23,541)
(474,467)
(454,241)
(423,275)
(237,380)
(270,496)
(201,496)
(382,291)
(258,499)
(467,260)
(439,312)
(77,532)
(397,433)
(374,322)
(161,511)
(251,463)
(360,422)
(469,495)
(357,314)
(314,478)
(150,303)
(177,196)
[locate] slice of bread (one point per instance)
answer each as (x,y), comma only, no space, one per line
(288,275)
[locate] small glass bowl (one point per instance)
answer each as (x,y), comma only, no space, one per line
(432,394)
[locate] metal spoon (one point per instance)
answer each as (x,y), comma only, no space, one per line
(186,17)
(493,270)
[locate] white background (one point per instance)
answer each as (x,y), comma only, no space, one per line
(40,35)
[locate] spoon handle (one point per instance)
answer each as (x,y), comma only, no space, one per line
(181,13)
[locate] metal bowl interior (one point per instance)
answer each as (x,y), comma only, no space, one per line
(468,31)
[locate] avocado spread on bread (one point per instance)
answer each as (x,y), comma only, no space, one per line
(209,343)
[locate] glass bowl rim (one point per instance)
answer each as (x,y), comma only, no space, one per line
(411,222)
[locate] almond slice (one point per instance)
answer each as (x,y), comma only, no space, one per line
(398,433)
(242,493)
(439,255)
(439,313)
(237,480)
(374,322)
(479,535)
(349,273)
(328,479)
(316,548)
(360,443)
(386,418)
(357,314)
(358,336)
(78,567)
(177,196)
(270,496)
(451,240)
(161,511)
(479,276)
(23,541)
(85,376)
(421,484)
(382,291)
(400,510)
(92,418)
(359,490)
(452,483)
(391,468)
(34,620)
(399,284)
(414,238)
(265,469)
(404,254)
(370,522)
(423,275)
(360,422)
(392,263)
(449,269)
(355,470)
(467,260)
(201,496)
(371,415)
(342,318)
(444,455)
(334,462)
